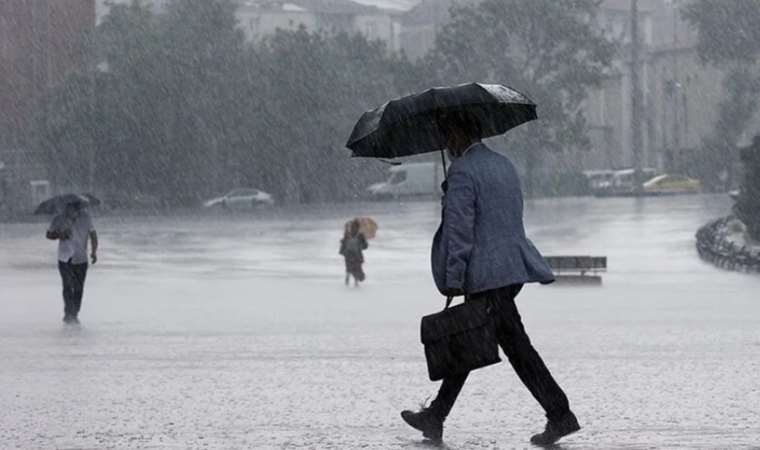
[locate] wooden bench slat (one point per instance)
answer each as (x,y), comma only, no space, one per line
(577,263)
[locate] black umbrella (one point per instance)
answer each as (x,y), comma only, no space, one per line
(409,125)
(57,204)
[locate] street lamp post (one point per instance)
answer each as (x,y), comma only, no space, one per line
(636,138)
(93,143)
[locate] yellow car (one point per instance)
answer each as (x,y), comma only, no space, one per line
(672,184)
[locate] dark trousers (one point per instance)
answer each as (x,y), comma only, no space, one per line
(73,276)
(523,357)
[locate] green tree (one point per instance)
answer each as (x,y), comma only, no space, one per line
(203,52)
(550,50)
(131,105)
(184,108)
(315,86)
(170,107)
(727,30)
(729,39)
(66,135)
(98,116)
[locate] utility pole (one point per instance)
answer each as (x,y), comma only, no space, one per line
(45,44)
(636,138)
(90,64)
(93,117)
(675,95)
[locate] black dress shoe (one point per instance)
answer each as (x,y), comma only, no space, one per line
(425,421)
(555,430)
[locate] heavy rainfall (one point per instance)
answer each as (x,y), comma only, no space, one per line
(240,224)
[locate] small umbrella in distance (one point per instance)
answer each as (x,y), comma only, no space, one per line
(367,226)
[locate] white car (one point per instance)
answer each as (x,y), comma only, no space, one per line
(410,179)
(241,199)
(669,184)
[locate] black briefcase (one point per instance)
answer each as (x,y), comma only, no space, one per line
(459,339)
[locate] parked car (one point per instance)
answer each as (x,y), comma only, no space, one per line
(599,181)
(244,198)
(669,184)
(620,182)
(412,179)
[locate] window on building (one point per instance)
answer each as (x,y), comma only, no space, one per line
(370,29)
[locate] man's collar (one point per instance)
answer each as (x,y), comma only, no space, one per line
(470,148)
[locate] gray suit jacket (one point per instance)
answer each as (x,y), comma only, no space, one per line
(481,243)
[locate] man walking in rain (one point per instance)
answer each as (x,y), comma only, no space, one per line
(481,251)
(71,229)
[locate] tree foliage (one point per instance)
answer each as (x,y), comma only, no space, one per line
(727,29)
(317,85)
(186,108)
(547,49)
(182,107)
(728,38)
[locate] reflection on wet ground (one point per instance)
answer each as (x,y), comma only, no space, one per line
(236,332)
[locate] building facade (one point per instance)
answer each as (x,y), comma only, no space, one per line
(41,42)
(102,7)
(676,87)
(259,18)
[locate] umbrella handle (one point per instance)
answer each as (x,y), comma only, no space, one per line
(443,161)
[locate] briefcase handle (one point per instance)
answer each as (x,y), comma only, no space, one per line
(449,299)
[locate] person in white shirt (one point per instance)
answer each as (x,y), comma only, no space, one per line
(71,229)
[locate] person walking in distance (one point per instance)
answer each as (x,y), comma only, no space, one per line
(351,247)
(71,229)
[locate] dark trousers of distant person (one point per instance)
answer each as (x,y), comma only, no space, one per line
(73,276)
(523,357)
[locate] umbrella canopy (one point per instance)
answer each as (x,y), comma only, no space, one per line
(409,125)
(367,226)
(57,204)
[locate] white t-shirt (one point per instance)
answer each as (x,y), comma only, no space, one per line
(74,248)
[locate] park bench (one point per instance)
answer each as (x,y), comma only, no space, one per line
(578,269)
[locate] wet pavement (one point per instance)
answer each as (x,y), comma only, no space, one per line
(235,331)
